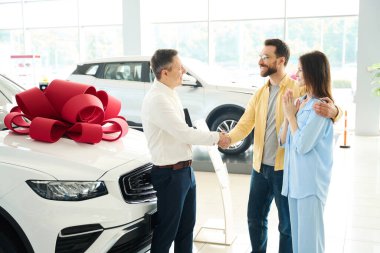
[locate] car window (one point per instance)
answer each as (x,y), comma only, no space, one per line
(86,69)
(151,75)
(92,70)
(9,89)
(3,100)
(130,71)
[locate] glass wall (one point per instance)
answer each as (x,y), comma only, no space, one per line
(231,33)
(58,33)
(221,32)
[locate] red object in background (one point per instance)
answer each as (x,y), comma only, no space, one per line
(66,108)
(26,69)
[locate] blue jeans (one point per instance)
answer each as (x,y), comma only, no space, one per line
(176,205)
(265,186)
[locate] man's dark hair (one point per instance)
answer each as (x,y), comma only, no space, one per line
(282,49)
(162,59)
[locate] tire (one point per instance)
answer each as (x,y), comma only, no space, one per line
(227,122)
(8,244)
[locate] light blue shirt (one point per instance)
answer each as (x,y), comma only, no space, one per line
(308,155)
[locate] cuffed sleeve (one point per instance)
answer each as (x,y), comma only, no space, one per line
(339,115)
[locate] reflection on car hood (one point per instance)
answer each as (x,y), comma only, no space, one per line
(236,87)
(70,160)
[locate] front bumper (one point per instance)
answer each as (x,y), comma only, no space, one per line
(133,237)
(100,224)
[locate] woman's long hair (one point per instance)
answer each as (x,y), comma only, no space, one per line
(316,73)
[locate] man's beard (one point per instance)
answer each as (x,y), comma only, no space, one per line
(270,71)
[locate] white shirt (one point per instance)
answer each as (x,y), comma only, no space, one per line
(169,137)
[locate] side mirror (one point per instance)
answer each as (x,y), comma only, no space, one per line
(188,80)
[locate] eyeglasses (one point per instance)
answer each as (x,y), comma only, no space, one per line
(264,57)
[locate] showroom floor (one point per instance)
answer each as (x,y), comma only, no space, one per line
(352,212)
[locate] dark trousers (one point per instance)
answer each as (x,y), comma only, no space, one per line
(265,186)
(176,207)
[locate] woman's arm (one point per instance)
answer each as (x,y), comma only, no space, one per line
(283,131)
(293,123)
(290,110)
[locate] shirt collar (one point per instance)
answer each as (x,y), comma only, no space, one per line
(309,104)
(282,83)
(162,87)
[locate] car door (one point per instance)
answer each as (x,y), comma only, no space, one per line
(123,81)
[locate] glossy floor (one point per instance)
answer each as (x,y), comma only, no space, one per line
(352,212)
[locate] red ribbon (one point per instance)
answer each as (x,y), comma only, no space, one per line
(75,110)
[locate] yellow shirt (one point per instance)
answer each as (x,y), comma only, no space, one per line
(255,116)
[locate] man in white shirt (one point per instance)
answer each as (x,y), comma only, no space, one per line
(169,141)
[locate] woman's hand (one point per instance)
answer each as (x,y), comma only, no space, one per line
(290,109)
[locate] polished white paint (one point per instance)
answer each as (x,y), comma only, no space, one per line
(22,158)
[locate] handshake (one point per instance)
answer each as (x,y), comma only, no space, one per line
(224,140)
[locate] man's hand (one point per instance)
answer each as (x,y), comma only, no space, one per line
(224,140)
(326,109)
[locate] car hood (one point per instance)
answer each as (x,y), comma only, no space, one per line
(69,160)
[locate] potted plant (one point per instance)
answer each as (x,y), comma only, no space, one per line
(375,70)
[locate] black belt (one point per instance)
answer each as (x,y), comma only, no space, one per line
(177,166)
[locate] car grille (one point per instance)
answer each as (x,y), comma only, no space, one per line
(136,185)
(134,245)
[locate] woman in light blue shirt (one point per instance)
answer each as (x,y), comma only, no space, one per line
(308,141)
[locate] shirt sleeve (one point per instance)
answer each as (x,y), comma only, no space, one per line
(165,115)
(339,115)
(307,137)
(246,123)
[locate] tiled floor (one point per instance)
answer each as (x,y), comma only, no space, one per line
(352,212)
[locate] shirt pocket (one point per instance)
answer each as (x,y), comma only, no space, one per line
(302,117)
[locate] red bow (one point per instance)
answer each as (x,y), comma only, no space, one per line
(67,108)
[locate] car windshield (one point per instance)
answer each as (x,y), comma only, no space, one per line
(8,88)
(208,73)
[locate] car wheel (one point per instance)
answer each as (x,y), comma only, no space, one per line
(226,123)
(7,244)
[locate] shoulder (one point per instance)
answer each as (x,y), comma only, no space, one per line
(311,111)
(154,97)
(291,83)
(260,91)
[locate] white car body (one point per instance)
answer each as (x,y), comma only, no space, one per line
(46,223)
(206,93)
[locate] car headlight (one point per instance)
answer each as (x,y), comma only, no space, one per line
(68,190)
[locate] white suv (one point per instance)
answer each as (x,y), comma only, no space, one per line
(74,197)
(207,93)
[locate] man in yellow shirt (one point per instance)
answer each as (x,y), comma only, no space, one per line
(264,113)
